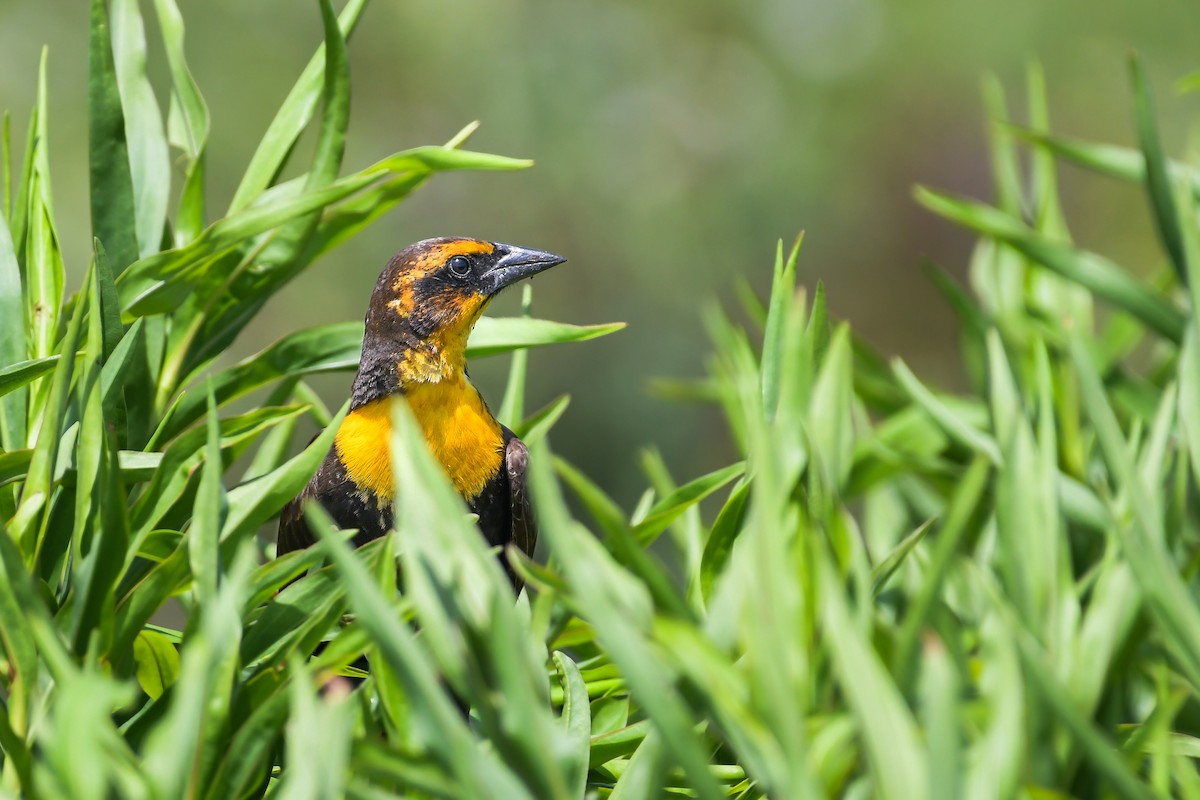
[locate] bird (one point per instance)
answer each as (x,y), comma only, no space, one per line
(424,305)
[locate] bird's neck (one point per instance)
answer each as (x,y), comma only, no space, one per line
(459,429)
(395,361)
(386,370)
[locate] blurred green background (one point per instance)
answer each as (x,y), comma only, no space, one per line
(675,143)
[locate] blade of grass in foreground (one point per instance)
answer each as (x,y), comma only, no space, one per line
(465,608)
(436,723)
(885,723)
(620,609)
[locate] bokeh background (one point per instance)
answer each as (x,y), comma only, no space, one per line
(675,143)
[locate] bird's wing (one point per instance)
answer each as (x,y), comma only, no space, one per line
(524,528)
(294,533)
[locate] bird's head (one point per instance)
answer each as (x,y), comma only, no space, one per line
(429,297)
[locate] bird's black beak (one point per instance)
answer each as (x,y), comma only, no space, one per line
(515,263)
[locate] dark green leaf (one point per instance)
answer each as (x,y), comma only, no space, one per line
(112,201)
(720,540)
(1158,183)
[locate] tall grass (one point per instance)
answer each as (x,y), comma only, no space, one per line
(902,592)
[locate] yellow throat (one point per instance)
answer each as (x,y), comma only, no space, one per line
(460,431)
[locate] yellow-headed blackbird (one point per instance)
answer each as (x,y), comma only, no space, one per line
(424,306)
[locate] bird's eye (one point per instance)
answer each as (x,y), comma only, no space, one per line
(460,266)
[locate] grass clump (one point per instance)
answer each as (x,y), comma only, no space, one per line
(903,592)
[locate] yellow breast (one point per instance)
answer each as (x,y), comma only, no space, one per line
(460,432)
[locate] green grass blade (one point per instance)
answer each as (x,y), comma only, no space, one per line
(158,283)
(14,465)
(237,287)
(830,425)
(1189,357)
(43,261)
(293,621)
(111,190)
(323,349)
(1114,161)
(16,638)
(1006,173)
(435,721)
(187,123)
(535,427)
(346,219)
(782,289)
(1090,270)
(12,339)
(176,471)
(1158,183)
(281,253)
(22,196)
(885,724)
(1143,542)
(98,549)
(177,752)
(1047,210)
(884,570)
(645,774)
(147,165)
(619,610)
(324,726)
(667,510)
(512,407)
(940,695)
(1102,754)
(209,513)
(35,494)
(576,721)
(291,119)
(496,335)
(953,423)
(119,370)
(723,534)
(23,372)
(256,501)
(959,521)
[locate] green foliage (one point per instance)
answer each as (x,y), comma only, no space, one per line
(898,591)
